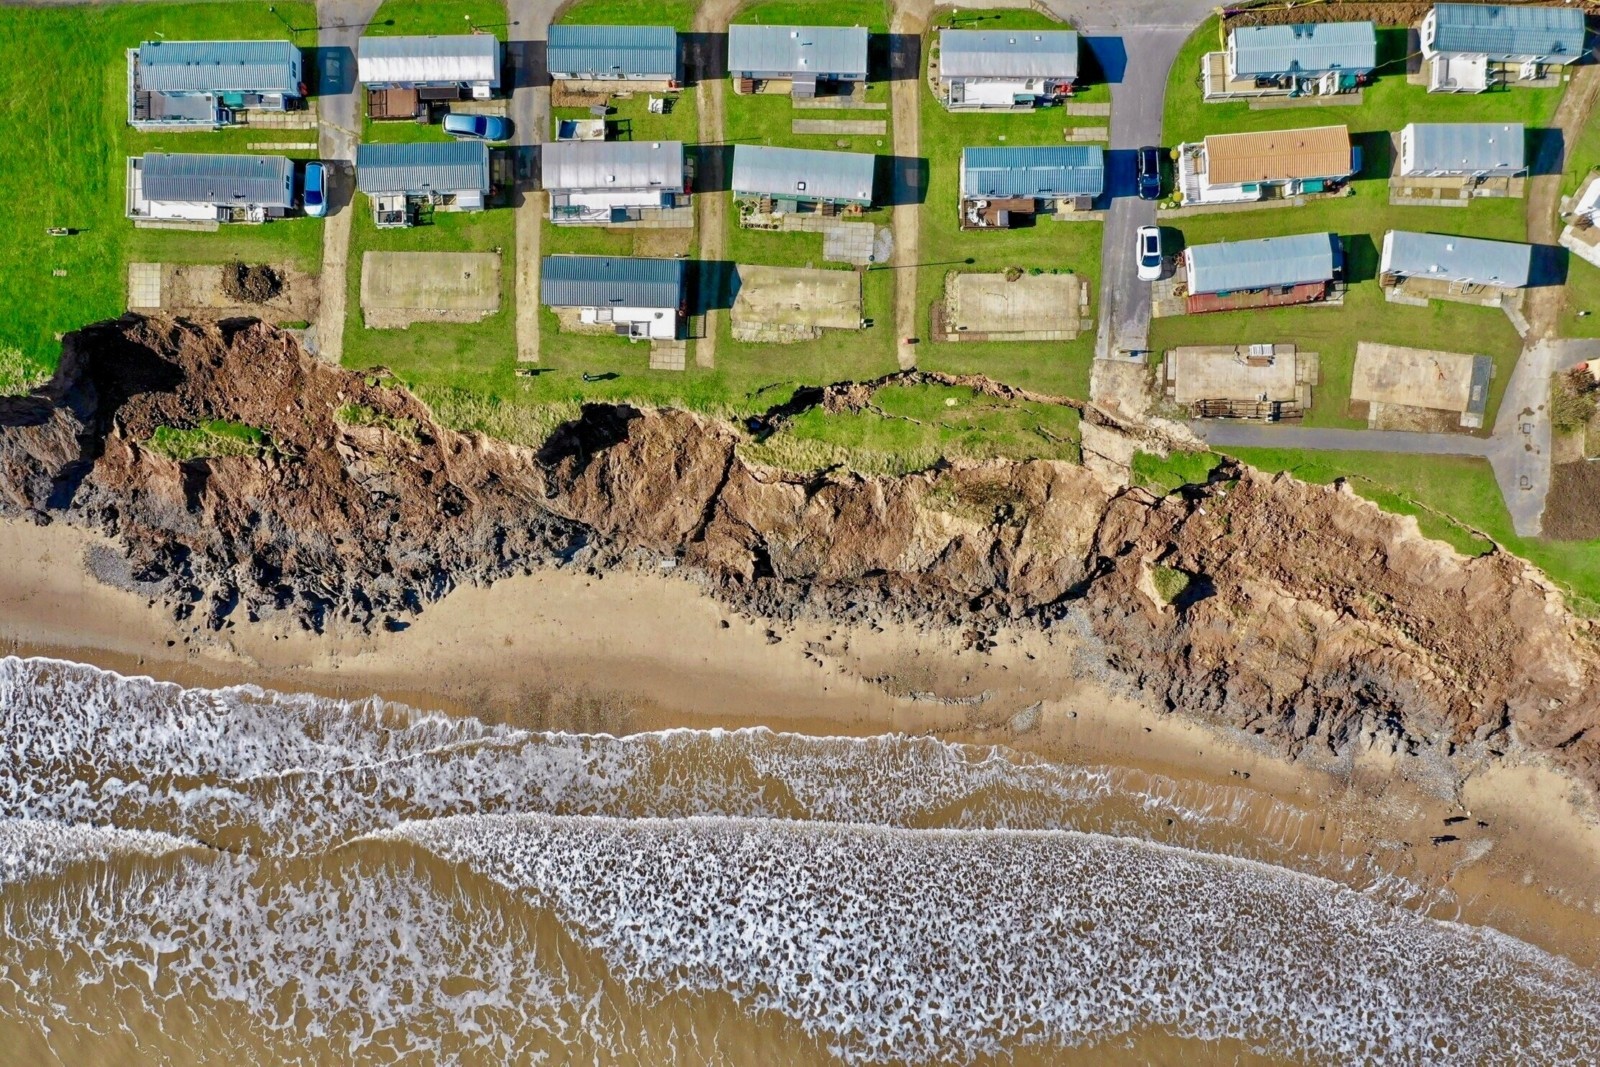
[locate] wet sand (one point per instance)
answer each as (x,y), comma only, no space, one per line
(631,652)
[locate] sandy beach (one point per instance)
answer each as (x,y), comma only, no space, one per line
(628,652)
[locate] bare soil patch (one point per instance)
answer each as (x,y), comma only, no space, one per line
(1572,508)
(273,292)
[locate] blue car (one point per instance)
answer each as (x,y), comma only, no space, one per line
(478,127)
(314,196)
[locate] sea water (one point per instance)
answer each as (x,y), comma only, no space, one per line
(198,876)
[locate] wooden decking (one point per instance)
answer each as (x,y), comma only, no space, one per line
(1310,293)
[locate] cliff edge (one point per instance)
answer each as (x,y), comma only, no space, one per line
(1299,613)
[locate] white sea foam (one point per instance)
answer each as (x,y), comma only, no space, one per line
(383,964)
(247,768)
(892,895)
(33,849)
(946,944)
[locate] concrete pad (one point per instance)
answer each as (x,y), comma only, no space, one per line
(398,288)
(798,296)
(1417,377)
(1018,309)
(1233,372)
(1389,376)
(144,286)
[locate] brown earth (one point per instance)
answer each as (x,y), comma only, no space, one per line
(1570,513)
(1312,620)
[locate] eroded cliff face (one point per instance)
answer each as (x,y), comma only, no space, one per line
(1310,617)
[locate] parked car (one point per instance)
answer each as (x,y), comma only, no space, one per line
(478,127)
(1149,173)
(1152,255)
(313,190)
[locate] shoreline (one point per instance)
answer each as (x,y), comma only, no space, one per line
(632,652)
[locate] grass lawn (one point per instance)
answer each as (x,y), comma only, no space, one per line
(1583,294)
(50,285)
(477,356)
(414,18)
(1583,156)
(914,426)
(631,119)
(678,14)
(1361,219)
(1052,367)
(1388,104)
(1458,487)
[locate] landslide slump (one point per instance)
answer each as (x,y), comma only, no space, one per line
(1309,617)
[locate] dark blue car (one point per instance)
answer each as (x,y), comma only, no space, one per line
(478,127)
(1149,173)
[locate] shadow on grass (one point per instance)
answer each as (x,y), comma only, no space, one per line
(1361,257)
(1377,155)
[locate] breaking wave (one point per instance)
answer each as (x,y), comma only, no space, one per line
(938,945)
(362,879)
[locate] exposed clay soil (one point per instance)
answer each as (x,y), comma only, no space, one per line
(1312,618)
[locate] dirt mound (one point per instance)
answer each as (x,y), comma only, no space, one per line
(1309,618)
(251,283)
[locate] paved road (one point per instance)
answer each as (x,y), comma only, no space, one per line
(1520,448)
(907,23)
(1135,42)
(1256,435)
(340,24)
(530,111)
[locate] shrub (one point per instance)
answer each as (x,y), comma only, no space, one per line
(1170,582)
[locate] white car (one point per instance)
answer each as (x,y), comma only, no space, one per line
(1152,257)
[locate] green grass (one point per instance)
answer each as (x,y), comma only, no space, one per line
(1361,220)
(1455,500)
(211,439)
(1170,583)
(837,355)
(1166,474)
(1053,367)
(1583,294)
(416,18)
(77,144)
(911,427)
(474,356)
(1387,104)
(20,374)
(678,14)
(632,119)
(363,415)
